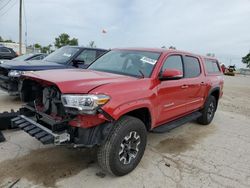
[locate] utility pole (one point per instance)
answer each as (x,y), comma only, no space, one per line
(20,27)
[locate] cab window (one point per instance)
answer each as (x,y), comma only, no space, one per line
(192,67)
(212,66)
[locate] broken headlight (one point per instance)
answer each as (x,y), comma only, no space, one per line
(15,73)
(84,103)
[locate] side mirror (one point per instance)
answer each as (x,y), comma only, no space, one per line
(171,74)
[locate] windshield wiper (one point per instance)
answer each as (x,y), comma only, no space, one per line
(142,75)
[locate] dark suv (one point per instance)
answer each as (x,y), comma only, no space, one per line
(7,53)
(63,58)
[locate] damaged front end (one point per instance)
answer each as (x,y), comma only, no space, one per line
(52,118)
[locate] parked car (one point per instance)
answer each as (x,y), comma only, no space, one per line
(118,99)
(26,57)
(63,58)
(7,53)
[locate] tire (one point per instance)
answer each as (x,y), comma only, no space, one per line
(128,136)
(208,111)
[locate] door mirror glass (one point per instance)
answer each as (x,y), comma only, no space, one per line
(171,74)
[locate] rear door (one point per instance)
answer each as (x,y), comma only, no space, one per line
(195,82)
(172,94)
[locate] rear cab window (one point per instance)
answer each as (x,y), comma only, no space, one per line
(192,67)
(212,66)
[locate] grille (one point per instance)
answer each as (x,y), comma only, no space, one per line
(4,72)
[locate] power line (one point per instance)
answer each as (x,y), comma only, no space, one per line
(9,8)
(5,5)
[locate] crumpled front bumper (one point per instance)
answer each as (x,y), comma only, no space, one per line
(9,85)
(48,130)
(40,132)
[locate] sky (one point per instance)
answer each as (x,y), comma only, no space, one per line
(215,26)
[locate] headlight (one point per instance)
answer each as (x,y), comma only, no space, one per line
(15,73)
(84,103)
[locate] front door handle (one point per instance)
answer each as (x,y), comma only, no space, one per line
(184,86)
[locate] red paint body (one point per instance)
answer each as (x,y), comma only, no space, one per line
(165,100)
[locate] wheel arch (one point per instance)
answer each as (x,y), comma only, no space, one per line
(216,93)
(143,114)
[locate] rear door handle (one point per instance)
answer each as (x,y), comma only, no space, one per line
(203,83)
(184,86)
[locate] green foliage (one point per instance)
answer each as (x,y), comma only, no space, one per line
(8,40)
(210,54)
(64,39)
(43,49)
(46,49)
(246,60)
(37,46)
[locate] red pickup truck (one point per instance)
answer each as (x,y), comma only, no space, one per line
(118,99)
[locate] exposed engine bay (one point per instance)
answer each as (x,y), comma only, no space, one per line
(51,101)
(45,117)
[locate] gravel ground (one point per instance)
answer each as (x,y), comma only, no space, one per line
(217,155)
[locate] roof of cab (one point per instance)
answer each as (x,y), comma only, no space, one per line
(165,50)
(159,50)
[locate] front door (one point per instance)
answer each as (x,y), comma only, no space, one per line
(172,94)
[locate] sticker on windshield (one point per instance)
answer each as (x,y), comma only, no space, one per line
(148,60)
(67,55)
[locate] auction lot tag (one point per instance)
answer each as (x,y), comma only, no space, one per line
(67,55)
(148,60)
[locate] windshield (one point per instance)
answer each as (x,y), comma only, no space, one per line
(62,55)
(127,62)
(23,57)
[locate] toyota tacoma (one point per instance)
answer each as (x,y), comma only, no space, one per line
(120,97)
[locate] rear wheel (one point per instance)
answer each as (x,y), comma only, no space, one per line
(208,111)
(124,148)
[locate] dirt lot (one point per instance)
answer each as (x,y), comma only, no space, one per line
(217,155)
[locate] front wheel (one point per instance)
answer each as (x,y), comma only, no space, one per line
(124,148)
(208,111)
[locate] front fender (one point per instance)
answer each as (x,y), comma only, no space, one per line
(125,108)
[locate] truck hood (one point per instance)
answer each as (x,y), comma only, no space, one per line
(77,81)
(34,65)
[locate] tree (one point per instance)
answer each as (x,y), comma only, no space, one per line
(246,60)
(43,49)
(210,54)
(172,47)
(37,46)
(46,49)
(2,40)
(91,44)
(64,39)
